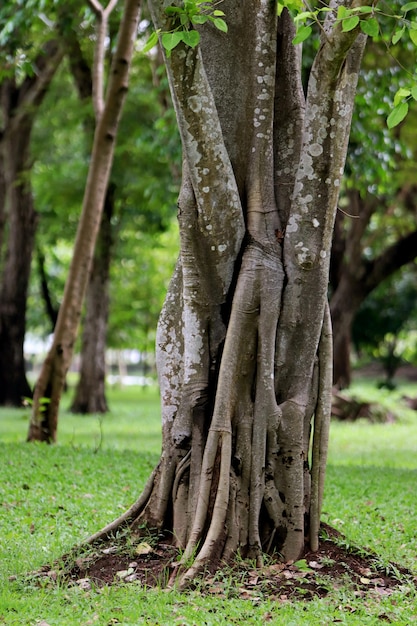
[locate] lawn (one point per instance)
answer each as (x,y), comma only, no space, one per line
(54,496)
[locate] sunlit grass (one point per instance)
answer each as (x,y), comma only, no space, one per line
(52,497)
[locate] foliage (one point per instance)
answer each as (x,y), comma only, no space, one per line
(184,17)
(372,21)
(146,175)
(383,323)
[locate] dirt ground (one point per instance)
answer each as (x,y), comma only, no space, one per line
(151,564)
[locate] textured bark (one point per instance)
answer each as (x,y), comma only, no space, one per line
(44,417)
(244,341)
(353,276)
(18,219)
(90,394)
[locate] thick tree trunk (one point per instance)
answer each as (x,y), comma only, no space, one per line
(244,340)
(90,394)
(44,418)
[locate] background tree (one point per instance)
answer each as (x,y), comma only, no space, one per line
(28,61)
(51,381)
(375,232)
(244,340)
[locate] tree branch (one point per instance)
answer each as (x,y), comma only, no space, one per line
(392,259)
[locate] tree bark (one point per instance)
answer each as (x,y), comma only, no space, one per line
(90,394)
(244,340)
(18,106)
(44,417)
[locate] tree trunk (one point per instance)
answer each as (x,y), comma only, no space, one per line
(48,390)
(16,268)
(244,340)
(18,218)
(90,396)
(353,276)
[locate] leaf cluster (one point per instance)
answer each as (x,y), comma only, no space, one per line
(368,20)
(184,17)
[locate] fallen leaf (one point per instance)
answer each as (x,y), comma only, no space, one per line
(143,548)
(365,581)
(124,572)
(110,550)
(84,583)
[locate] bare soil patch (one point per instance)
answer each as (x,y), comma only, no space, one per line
(150,565)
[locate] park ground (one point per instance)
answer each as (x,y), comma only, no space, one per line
(53,497)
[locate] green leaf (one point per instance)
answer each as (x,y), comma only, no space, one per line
(171,10)
(413,36)
(171,40)
(413,92)
(191,38)
(152,41)
(397,35)
(304,15)
(303,33)
(220,24)
(370,27)
(408,7)
(199,19)
(400,95)
(342,12)
(349,23)
(366,9)
(291,5)
(218,13)
(397,114)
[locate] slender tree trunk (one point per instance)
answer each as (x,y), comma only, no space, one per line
(90,396)
(244,340)
(44,418)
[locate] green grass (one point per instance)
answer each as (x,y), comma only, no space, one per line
(54,496)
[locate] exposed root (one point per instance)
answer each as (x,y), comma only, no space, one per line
(321,429)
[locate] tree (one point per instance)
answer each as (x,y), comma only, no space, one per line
(355,274)
(244,340)
(48,390)
(375,233)
(27,70)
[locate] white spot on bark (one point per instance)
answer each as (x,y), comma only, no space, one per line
(292,225)
(209,227)
(206,189)
(316,149)
(222,247)
(323,254)
(195,104)
(316,223)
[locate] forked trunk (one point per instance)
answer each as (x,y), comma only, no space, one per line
(244,340)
